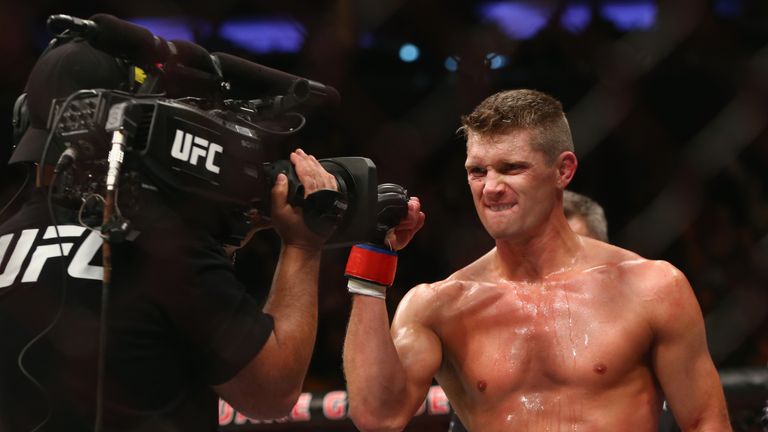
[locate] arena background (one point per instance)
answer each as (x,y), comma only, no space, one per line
(668,102)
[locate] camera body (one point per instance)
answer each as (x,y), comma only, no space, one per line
(216,156)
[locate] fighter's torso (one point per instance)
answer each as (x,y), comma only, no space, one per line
(567,354)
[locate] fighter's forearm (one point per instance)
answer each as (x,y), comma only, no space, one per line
(711,427)
(712,422)
(376,379)
(712,417)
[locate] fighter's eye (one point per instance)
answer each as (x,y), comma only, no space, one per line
(510,168)
(476,171)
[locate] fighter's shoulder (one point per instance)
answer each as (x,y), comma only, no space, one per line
(428,298)
(662,290)
(660,279)
(429,292)
(645,274)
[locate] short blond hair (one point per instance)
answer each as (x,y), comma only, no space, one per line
(511,110)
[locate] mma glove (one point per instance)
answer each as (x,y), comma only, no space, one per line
(371,266)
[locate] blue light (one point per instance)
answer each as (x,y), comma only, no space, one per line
(451,64)
(729,8)
(516,19)
(167,28)
(523,19)
(576,17)
(497,61)
(631,15)
(264,36)
(409,53)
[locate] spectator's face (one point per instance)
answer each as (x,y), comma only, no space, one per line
(513,188)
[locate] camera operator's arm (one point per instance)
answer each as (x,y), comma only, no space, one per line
(268,386)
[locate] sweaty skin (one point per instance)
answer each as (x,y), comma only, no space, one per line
(570,352)
(549,331)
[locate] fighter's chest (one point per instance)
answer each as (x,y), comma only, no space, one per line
(545,338)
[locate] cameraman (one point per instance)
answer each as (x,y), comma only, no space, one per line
(182,331)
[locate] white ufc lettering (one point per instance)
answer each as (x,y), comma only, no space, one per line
(17,258)
(41,255)
(79,266)
(189,148)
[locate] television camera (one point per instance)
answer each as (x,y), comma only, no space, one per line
(205,127)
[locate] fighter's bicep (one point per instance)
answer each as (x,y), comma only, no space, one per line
(688,377)
(419,350)
(420,355)
(680,349)
(677,322)
(418,346)
(681,358)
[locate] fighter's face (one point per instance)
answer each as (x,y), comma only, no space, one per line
(513,187)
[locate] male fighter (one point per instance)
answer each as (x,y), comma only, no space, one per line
(549,331)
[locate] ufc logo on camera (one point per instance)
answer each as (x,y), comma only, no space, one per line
(196,151)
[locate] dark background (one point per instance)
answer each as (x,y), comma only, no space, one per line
(669,120)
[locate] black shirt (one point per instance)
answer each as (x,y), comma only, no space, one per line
(178,322)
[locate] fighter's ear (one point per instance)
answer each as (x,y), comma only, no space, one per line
(566,167)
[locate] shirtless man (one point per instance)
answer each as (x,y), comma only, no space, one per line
(586,218)
(549,331)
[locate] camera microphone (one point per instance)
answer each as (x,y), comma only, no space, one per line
(129,40)
(246,80)
(194,56)
(125,39)
(249,80)
(114,36)
(58,24)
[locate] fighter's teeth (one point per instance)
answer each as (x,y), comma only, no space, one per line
(501,207)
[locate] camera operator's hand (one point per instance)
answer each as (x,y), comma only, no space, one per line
(399,236)
(311,174)
(288,220)
(270,384)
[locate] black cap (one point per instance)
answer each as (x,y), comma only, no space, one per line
(71,66)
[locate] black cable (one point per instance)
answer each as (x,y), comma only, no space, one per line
(63,294)
(110,206)
(105,286)
(99,422)
(293,130)
(54,321)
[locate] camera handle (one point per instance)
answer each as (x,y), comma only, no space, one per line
(295,188)
(323,209)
